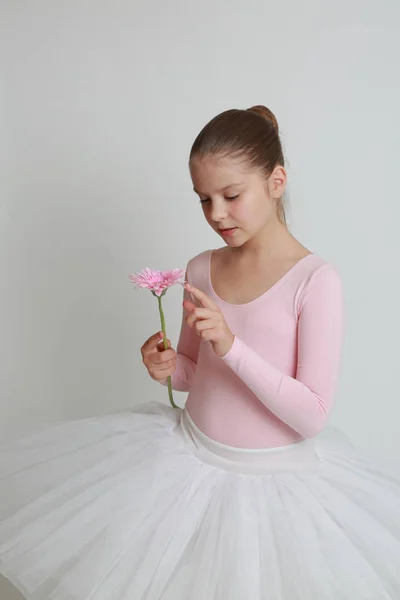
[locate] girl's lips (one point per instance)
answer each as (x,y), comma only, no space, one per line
(228,232)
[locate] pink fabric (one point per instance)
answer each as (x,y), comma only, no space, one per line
(276,384)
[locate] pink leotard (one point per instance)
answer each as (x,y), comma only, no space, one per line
(276,384)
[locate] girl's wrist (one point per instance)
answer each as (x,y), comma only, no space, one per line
(222,348)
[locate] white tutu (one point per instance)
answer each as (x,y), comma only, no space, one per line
(139,505)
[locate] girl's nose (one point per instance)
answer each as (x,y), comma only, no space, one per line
(218,211)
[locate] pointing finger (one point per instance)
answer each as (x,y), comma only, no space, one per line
(204,300)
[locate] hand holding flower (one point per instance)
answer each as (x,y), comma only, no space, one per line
(208,321)
(160,363)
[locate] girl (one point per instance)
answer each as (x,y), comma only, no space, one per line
(242,494)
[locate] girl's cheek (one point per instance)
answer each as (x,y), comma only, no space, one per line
(240,212)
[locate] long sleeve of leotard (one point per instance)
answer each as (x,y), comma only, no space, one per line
(302,402)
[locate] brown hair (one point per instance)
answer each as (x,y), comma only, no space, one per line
(252,134)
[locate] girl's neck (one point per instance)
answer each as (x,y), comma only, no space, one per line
(274,241)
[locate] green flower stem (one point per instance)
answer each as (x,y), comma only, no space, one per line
(171,398)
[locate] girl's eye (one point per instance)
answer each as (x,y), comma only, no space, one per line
(205,200)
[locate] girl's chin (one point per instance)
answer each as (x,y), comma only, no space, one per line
(234,242)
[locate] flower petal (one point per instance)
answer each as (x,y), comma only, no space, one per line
(157,281)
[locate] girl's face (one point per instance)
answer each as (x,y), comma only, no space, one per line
(237,200)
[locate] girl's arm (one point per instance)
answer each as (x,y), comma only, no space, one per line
(187,352)
(304,401)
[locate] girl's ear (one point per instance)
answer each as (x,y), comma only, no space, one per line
(277,182)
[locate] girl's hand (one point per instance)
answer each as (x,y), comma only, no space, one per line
(209,321)
(160,363)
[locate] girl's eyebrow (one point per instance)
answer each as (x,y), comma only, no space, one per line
(224,188)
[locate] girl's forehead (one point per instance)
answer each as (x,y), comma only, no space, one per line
(213,177)
(219,169)
(216,174)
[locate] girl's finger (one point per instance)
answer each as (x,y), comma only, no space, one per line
(198,314)
(204,300)
(166,365)
(189,306)
(160,345)
(208,335)
(161,357)
(205,325)
(161,375)
(151,344)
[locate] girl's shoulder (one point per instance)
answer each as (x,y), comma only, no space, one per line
(197,270)
(319,279)
(315,268)
(200,259)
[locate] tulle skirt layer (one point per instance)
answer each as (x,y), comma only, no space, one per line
(140,505)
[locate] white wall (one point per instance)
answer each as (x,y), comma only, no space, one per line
(100,102)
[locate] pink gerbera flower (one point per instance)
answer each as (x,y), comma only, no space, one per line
(157,281)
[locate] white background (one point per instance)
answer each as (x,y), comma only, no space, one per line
(100,103)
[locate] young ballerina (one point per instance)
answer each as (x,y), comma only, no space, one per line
(243,494)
